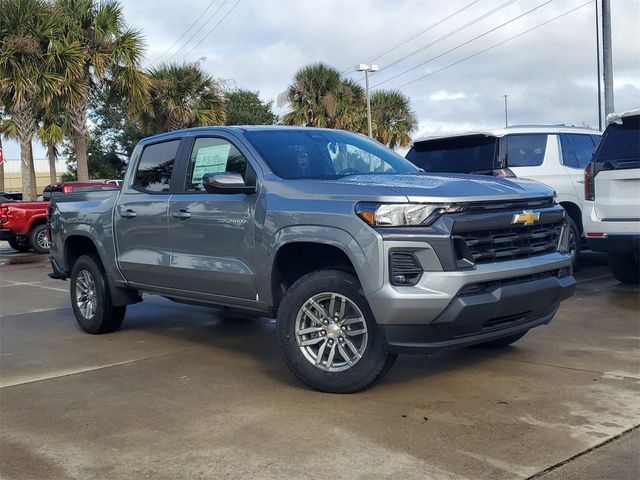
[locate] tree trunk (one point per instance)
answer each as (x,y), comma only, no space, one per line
(80,147)
(25,128)
(78,116)
(51,153)
(28,171)
(1,168)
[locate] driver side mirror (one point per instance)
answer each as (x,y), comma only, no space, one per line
(226,183)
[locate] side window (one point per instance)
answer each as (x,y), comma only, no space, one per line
(155,166)
(213,155)
(568,155)
(526,150)
(583,147)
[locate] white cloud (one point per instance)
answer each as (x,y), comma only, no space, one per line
(443,95)
(549,73)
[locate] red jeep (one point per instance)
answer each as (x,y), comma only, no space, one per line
(24,224)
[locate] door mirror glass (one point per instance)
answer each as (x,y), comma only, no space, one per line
(226,183)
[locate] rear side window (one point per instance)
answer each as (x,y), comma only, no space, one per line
(155,166)
(475,153)
(213,155)
(576,150)
(526,150)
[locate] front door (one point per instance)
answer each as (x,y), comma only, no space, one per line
(212,235)
(140,218)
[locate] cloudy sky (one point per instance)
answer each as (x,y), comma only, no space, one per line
(549,73)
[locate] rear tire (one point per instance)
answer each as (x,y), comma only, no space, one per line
(18,246)
(91,299)
(38,239)
(625,267)
(502,342)
(342,349)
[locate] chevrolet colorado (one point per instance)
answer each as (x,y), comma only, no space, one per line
(357,253)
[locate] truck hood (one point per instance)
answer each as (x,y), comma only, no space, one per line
(422,187)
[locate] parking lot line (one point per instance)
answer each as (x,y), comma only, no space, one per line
(75,371)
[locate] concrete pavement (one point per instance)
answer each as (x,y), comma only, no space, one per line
(189,392)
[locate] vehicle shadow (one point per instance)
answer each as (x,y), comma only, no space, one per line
(252,338)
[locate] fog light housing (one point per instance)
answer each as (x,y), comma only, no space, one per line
(404,268)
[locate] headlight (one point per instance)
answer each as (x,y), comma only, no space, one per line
(403,214)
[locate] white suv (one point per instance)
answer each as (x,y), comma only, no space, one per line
(553,155)
(612,190)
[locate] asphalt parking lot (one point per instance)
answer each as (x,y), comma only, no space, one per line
(189,392)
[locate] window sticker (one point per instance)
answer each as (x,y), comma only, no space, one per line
(211,159)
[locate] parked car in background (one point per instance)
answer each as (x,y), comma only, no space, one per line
(358,254)
(10,197)
(553,155)
(24,224)
(612,193)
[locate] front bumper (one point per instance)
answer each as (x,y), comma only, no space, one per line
(423,303)
(498,311)
(6,234)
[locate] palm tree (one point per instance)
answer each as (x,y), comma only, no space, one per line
(51,134)
(320,97)
(392,118)
(26,29)
(111,54)
(182,96)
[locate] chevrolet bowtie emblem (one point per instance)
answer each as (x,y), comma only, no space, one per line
(527,217)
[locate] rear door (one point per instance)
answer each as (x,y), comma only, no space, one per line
(617,181)
(577,151)
(212,235)
(140,217)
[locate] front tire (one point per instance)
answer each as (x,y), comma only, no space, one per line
(575,241)
(38,239)
(625,267)
(327,334)
(18,246)
(91,299)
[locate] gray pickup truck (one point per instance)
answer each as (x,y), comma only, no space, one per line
(358,254)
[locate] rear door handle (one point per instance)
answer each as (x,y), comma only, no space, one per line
(128,213)
(181,214)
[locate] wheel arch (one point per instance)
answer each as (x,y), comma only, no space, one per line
(299,252)
(575,212)
(79,244)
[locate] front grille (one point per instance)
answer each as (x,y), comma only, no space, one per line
(504,321)
(512,242)
(491,285)
(527,204)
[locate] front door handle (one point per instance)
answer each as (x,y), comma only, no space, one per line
(181,214)
(128,213)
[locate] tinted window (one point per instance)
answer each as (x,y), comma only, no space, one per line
(526,150)
(455,155)
(295,154)
(213,155)
(156,165)
(568,156)
(620,142)
(583,148)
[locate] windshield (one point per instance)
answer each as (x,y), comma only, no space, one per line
(297,154)
(473,153)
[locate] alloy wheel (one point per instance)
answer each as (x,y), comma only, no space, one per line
(331,332)
(86,297)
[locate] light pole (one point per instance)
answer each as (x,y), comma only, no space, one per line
(363,67)
(506,115)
